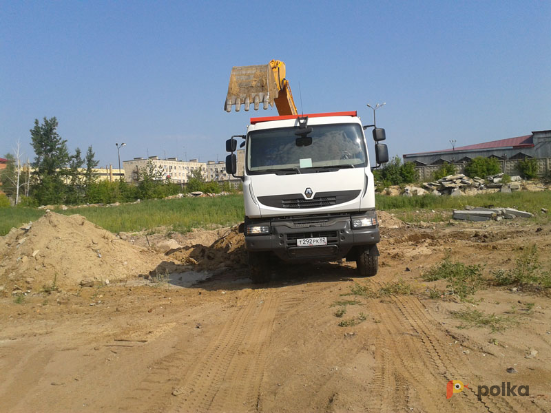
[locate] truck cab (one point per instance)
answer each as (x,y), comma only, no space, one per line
(309,191)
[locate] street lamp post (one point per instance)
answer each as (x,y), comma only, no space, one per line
(119,154)
(452,141)
(377,106)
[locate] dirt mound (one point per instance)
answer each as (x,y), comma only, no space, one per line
(227,251)
(59,250)
(387,220)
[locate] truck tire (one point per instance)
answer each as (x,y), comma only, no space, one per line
(259,267)
(367,265)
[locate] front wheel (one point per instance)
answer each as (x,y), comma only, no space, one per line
(367,265)
(259,267)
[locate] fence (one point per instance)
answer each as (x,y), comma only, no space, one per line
(509,167)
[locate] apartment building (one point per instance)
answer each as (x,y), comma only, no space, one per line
(179,170)
(172,168)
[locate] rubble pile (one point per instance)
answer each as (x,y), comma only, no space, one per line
(486,214)
(458,184)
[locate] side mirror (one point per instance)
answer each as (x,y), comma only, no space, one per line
(231,163)
(379,134)
(381,153)
(231,145)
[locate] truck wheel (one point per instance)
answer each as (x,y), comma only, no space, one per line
(259,268)
(367,265)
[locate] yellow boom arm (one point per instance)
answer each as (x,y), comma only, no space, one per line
(258,84)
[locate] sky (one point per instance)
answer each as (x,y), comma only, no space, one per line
(154,75)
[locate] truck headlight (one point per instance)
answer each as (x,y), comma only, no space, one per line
(362,222)
(258,229)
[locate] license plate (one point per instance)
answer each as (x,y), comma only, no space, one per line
(311,242)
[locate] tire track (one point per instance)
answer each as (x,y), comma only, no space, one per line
(410,360)
(431,334)
(229,375)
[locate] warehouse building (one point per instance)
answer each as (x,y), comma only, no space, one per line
(535,145)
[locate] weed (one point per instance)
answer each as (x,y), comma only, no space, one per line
(361,290)
(527,271)
(48,289)
(434,294)
(19,299)
(161,277)
(476,318)
(340,312)
(344,303)
(529,308)
(463,280)
(353,321)
(396,288)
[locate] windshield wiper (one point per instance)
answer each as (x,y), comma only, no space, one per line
(288,171)
(329,168)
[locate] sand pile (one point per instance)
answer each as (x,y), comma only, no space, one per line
(387,220)
(67,250)
(228,251)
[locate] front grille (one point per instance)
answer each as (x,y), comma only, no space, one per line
(318,202)
(297,201)
(332,237)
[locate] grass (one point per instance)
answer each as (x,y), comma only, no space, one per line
(15,217)
(527,272)
(178,215)
(463,280)
(406,207)
(182,215)
(476,318)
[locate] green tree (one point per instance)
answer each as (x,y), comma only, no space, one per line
(211,187)
(409,173)
(151,178)
(4,201)
(528,168)
(482,167)
(444,170)
(91,164)
(195,180)
(8,176)
(74,193)
(396,173)
(51,159)
(226,186)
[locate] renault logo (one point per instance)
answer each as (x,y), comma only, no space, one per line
(308,193)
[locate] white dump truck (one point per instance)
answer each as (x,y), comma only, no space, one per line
(308,188)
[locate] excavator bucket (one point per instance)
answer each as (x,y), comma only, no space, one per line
(251,85)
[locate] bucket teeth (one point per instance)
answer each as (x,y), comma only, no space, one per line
(251,84)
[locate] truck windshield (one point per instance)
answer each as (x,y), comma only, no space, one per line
(332,146)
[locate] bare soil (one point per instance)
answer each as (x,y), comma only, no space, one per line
(152,341)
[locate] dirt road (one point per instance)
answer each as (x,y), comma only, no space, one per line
(224,345)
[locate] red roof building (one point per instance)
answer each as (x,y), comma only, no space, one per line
(536,145)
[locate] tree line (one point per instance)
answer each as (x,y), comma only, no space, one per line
(57,177)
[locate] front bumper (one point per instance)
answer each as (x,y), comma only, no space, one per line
(284,232)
